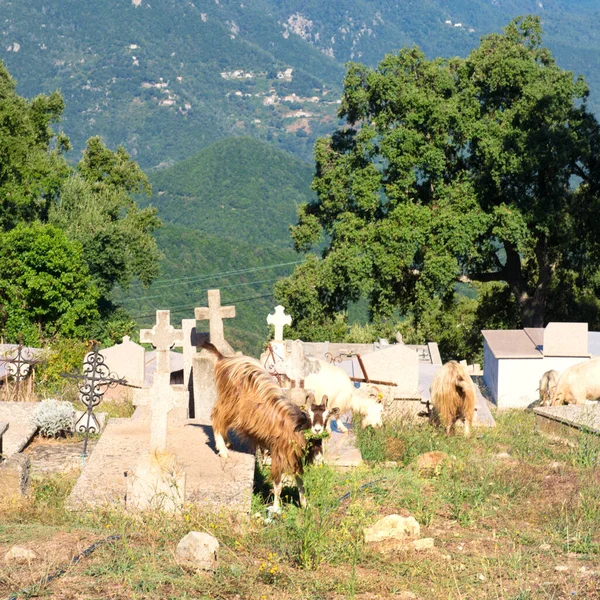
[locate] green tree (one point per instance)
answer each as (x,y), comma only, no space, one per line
(478,169)
(45,287)
(96,208)
(92,204)
(32,166)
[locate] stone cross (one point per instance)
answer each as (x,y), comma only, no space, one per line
(279,319)
(215,313)
(163,336)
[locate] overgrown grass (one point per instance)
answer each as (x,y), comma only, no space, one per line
(488,515)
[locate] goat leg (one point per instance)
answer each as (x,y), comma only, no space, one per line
(301,492)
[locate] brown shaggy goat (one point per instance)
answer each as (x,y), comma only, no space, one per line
(253,405)
(453,397)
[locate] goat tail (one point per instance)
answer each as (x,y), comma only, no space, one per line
(212,349)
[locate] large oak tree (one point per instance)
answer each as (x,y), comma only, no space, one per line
(478,169)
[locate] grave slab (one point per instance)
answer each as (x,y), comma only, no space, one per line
(20,430)
(568,420)
(210,481)
(397,364)
(341,450)
(126,359)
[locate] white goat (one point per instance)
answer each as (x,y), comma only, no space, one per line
(548,383)
(335,384)
(578,383)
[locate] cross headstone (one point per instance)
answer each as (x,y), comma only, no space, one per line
(215,313)
(163,336)
(279,319)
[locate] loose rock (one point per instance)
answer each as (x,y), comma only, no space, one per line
(561,568)
(20,555)
(422,544)
(393,527)
(14,476)
(198,550)
(431,462)
(503,456)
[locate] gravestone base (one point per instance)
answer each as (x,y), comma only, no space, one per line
(157,483)
(568,421)
(209,480)
(205,392)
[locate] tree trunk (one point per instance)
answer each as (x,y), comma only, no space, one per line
(530,298)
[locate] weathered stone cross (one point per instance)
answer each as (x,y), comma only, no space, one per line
(163,336)
(279,319)
(215,313)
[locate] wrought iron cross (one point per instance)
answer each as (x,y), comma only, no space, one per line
(96,379)
(18,366)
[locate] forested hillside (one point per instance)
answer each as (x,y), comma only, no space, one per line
(194,263)
(239,188)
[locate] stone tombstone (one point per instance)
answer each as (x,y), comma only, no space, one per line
(214,314)
(205,393)
(161,398)
(396,364)
(566,339)
(127,359)
(278,320)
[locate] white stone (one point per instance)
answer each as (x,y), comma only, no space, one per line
(214,314)
(157,483)
(278,320)
(422,544)
(163,336)
(127,361)
(397,364)
(502,456)
(561,568)
(199,550)
(393,527)
(20,555)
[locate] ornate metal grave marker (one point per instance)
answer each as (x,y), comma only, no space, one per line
(18,365)
(96,379)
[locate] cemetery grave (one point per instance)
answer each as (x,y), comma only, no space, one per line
(467,509)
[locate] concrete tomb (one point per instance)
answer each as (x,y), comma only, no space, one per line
(127,358)
(159,458)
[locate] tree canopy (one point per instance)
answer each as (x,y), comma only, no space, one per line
(68,235)
(478,169)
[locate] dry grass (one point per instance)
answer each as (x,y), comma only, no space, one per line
(501,526)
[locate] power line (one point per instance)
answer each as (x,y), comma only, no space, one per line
(181,308)
(196,279)
(223,287)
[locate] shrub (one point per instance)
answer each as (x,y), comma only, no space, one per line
(54,418)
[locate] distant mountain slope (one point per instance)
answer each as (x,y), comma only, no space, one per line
(168,78)
(195,262)
(365,30)
(239,188)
